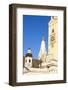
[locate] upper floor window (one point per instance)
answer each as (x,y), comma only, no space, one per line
(29,60)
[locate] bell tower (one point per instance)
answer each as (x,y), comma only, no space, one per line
(52,38)
(28,58)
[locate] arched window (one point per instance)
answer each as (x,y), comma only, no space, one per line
(29,60)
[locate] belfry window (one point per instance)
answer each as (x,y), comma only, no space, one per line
(52,30)
(29,60)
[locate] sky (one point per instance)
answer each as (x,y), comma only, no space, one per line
(34,27)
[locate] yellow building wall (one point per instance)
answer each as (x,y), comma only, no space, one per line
(52,38)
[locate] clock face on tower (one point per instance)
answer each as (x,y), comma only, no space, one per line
(52,38)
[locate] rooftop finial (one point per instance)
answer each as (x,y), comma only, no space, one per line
(29,50)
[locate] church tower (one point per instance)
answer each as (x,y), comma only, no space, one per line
(28,59)
(52,38)
(42,52)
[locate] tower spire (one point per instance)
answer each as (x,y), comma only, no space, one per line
(42,52)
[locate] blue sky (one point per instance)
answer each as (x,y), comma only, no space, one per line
(33,29)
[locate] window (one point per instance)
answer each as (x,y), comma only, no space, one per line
(29,60)
(25,60)
(52,30)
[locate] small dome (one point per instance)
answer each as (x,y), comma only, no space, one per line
(29,54)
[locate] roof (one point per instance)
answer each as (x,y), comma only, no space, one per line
(28,55)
